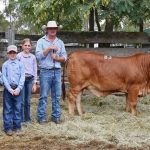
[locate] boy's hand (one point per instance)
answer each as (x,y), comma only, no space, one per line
(12,92)
(16,92)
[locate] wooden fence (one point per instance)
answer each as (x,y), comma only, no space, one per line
(110,43)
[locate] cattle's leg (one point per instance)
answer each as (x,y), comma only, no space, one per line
(78,104)
(72,95)
(127,104)
(132,100)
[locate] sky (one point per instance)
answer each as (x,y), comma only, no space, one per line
(2,5)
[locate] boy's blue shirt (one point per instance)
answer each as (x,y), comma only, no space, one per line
(1,78)
(13,73)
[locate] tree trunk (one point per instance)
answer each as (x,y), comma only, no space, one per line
(97,23)
(109,25)
(141,24)
(97,20)
(108,28)
(91,23)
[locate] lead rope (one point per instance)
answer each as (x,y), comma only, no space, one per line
(54,79)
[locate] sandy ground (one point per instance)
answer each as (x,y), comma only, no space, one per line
(105,125)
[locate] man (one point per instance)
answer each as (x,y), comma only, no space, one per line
(50,51)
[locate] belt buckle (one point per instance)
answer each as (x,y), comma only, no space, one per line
(13,87)
(28,77)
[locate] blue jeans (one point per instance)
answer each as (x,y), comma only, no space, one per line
(49,79)
(25,106)
(12,110)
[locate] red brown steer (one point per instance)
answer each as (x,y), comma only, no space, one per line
(103,75)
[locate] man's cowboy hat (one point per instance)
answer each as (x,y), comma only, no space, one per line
(52,24)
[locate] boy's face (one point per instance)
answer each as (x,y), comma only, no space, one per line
(12,55)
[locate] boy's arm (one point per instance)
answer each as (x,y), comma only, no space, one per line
(1,78)
(22,78)
(6,83)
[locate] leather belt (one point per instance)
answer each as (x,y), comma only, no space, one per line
(14,86)
(29,77)
(51,68)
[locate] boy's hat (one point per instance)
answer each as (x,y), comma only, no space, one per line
(52,24)
(12,48)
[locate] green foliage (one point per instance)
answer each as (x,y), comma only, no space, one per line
(4,24)
(40,12)
(32,14)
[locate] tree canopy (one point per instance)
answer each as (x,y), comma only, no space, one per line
(72,14)
(4,24)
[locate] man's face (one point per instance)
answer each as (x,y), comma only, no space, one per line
(12,55)
(52,31)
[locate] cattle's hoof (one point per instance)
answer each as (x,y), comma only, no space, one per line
(71,114)
(128,110)
(137,113)
(81,113)
(134,113)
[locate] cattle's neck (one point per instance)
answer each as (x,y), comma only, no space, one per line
(143,62)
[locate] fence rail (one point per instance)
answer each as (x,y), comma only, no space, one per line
(139,41)
(93,37)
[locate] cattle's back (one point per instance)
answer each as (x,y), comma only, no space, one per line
(113,72)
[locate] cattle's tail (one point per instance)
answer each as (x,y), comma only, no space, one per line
(63,84)
(63,80)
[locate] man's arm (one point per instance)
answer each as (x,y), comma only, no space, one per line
(62,56)
(40,52)
(57,58)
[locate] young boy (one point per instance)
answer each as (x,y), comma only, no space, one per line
(13,78)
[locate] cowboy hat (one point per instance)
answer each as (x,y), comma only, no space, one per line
(52,24)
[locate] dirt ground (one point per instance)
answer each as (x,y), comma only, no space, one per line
(105,125)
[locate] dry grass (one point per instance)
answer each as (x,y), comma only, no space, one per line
(105,121)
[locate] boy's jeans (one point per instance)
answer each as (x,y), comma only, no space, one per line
(25,110)
(12,110)
(49,79)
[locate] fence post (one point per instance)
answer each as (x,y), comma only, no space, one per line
(10,36)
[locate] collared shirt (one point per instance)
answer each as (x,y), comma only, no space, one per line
(30,64)
(13,74)
(46,61)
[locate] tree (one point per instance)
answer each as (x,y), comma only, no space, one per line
(4,24)
(72,13)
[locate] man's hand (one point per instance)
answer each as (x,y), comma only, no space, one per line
(54,56)
(50,48)
(53,47)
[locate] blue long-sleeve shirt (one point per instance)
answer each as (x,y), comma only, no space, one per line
(1,78)
(13,74)
(46,62)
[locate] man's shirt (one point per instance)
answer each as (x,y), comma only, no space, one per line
(47,62)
